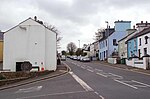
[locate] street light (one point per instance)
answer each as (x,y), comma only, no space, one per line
(79,43)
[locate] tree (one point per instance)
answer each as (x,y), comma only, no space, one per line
(71,47)
(99,34)
(79,52)
(63,52)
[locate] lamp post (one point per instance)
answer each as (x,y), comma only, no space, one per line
(79,43)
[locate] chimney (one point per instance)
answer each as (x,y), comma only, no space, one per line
(133,26)
(35,18)
(141,21)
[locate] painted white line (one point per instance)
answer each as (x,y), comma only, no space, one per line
(81,82)
(82,67)
(126,84)
(90,70)
(101,74)
(99,95)
(140,86)
(98,70)
(116,75)
(141,83)
(31,89)
(53,94)
(89,67)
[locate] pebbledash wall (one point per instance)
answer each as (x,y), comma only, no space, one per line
(30,41)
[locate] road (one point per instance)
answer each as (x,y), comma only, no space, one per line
(90,80)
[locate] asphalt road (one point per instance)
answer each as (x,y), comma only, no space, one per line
(89,80)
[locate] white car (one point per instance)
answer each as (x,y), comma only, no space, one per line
(63,58)
(85,59)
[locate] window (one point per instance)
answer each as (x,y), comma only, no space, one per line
(145,51)
(139,41)
(139,53)
(146,39)
(106,42)
(114,42)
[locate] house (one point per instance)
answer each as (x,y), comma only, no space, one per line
(94,49)
(122,46)
(103,44)
(1,46)
(132,42)
(30,41)
(120,32)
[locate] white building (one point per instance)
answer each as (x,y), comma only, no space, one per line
(143,39)
(29,41)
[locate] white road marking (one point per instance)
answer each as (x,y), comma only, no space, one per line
(101,74)
(81,82)
(98,70)
(141,83)
(82,67)
(123,82)
(99,95)
(90,70)
(31,89)
(53,94)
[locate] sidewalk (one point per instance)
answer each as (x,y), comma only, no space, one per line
(123,66)
(61,69)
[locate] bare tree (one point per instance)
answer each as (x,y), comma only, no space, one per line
(99,34)
(71,47)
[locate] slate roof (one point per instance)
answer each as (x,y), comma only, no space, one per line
(144,31)
(1,36)
(38,21)
(127,36)
(111,31)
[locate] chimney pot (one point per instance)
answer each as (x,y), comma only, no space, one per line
(141,21)
(35,18)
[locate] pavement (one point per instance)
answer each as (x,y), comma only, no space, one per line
(123,66)
(61,70)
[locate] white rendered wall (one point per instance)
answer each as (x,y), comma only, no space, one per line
(35,44)
(50,50)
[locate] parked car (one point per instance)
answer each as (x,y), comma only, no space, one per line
(85,59)
(63,58)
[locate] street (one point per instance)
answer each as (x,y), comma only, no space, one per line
(86,80)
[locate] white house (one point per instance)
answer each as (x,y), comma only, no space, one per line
(29,41)
(143,46)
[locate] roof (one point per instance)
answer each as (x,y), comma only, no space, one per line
(1,36)
(144,31)
(39,22)
(111,31)
(127,35)
(122,21)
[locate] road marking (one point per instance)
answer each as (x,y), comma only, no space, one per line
(98,70)
(90,70)
(82,67)
(123,82)
(81,82)
(141,83)
(101,75)
(99,95)
(115,76)
(31,89)
(53,94)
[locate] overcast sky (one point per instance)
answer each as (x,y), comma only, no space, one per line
(75,19)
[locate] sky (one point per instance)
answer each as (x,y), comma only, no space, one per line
(75,19)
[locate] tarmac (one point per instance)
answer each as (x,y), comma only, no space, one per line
(125,67)
(61,70)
